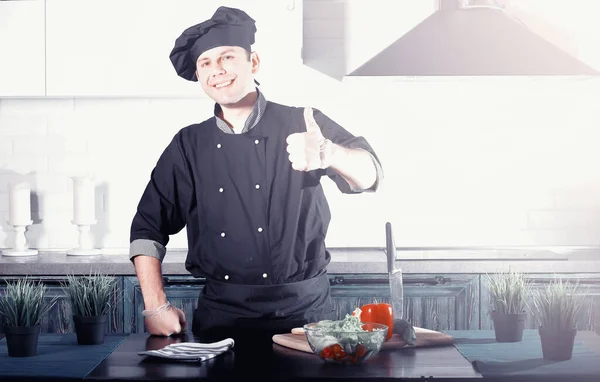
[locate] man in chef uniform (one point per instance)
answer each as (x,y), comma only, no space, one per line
(246,185)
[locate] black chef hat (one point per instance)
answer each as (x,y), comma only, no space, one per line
(227,27)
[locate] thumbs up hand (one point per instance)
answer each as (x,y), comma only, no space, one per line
(306,149)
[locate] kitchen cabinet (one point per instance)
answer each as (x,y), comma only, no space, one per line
(22,34)
(437,302)
(432,301)
(589,317)
(59,318)
(121,48)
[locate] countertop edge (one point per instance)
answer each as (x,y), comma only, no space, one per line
(343,261)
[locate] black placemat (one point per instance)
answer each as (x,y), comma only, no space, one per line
(58,355)
(491,358)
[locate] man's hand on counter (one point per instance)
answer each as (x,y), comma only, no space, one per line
(167,322)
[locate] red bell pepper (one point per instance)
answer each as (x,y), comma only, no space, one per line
(380,313)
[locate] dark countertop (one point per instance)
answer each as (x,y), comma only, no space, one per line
(276,363)
(343,260)
(266,361)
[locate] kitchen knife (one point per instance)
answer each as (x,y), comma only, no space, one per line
(401,326)
(394,274)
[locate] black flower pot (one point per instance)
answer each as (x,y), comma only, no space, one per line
(22,341)
(90,329)
(508,327)
(557,345)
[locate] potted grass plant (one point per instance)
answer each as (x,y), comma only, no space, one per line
(557,308)
(90,299)
(22,307)
(508,299)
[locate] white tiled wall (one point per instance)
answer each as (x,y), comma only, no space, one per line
(467,162)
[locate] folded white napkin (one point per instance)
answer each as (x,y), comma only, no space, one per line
(192,351)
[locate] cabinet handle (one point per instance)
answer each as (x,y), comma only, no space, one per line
(183,281)
(435,280)
(46,282)
(545,281)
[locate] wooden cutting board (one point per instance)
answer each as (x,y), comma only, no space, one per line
(425,337)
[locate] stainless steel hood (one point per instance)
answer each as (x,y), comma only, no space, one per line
(472,41)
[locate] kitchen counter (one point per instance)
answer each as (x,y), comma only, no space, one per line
(260,359)
(343,261)
(272,362)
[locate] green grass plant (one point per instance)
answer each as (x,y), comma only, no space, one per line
(558,304)
(509,292)
(24,303)
(90,295)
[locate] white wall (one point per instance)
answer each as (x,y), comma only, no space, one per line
(467,162)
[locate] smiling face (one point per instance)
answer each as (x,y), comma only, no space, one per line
(227,73)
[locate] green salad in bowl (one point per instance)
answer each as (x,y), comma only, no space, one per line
(347,341)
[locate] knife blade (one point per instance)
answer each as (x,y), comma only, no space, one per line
(401,326)
(394,274)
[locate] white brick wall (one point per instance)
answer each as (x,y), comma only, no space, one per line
(475,162)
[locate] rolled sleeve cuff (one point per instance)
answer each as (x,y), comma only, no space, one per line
(378,179)
(146,247)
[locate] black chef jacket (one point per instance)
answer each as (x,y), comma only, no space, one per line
(252,221)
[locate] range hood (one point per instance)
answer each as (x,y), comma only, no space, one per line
(472,41)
